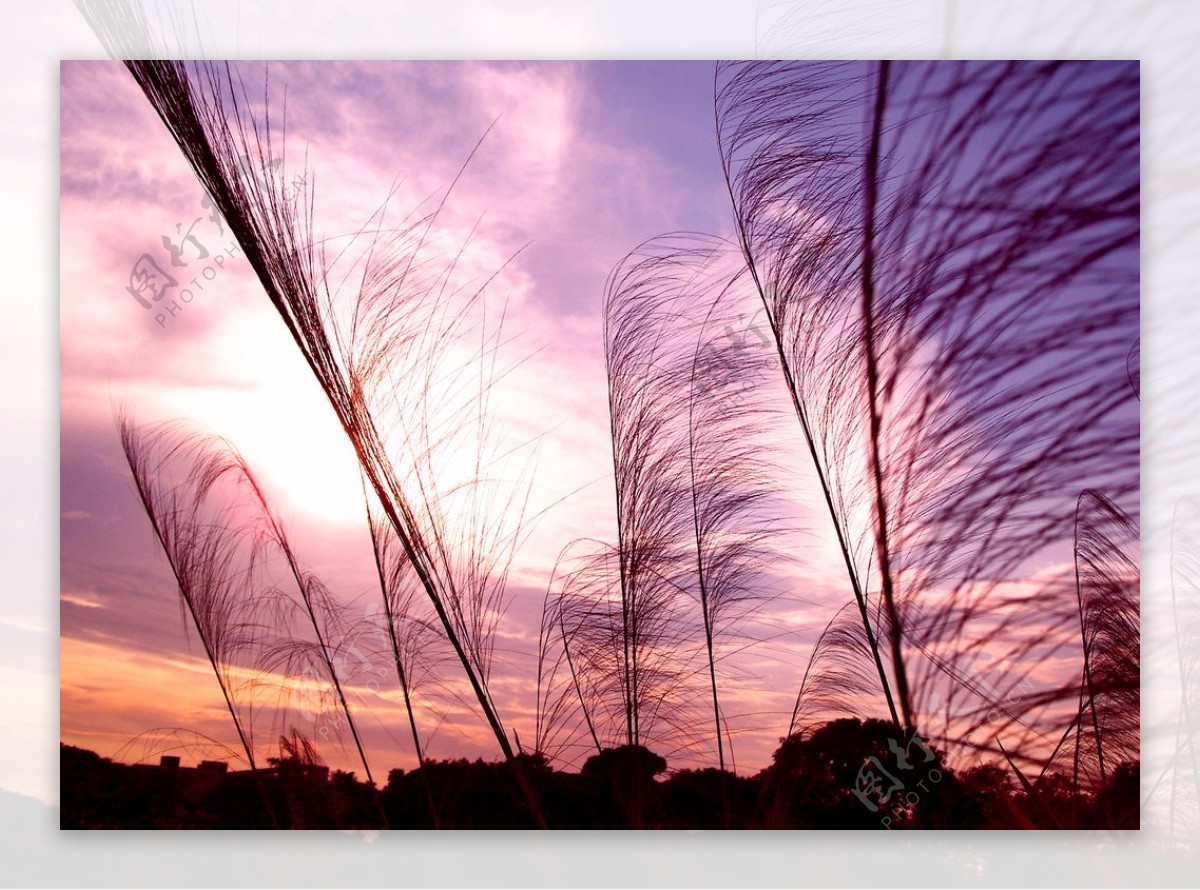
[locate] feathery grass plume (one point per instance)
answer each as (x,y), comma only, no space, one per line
(626,655)
(185,487)
(298,749)
(1101,739)
(123,28)
(150,745)
(407,315)
(1184,794)
(1108,581)
(728,478)
(320,612)
(676,485)
(690,492)
(300,773)
(947,253)
(245,519)
(831,29)
(563,707)
(680,295)
(652,498)
(837,676)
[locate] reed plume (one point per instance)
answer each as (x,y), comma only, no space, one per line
(1107,581)
(184,486)
(405,314)
(947,253)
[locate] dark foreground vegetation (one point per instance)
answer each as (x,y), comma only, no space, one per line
(825,779)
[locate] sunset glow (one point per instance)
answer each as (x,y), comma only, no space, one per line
(628,482)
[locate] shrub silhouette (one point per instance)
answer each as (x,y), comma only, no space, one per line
(627,775)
